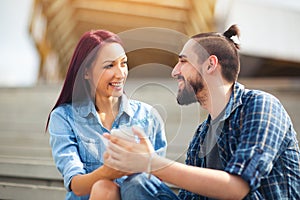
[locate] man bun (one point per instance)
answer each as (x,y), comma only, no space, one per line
(233,34)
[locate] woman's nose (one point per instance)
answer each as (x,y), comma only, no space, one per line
(120,71)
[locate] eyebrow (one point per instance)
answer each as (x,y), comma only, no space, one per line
(112,61)
(108,61)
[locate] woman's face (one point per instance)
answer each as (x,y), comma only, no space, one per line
(109,71)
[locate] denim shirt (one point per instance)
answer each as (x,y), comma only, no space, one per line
(75,135)
(257,142)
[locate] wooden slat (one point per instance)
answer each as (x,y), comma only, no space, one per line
(53,7)
(83,15)
(181,4)
(135,9)
(68,19)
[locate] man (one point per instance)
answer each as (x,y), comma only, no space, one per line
(246,149)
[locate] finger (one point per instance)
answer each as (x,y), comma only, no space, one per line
(105,155)
(120,141)
(112,163)
(143,138)
(116,151)
(106,135)
(139,132)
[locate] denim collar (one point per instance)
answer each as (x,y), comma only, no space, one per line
(87,107)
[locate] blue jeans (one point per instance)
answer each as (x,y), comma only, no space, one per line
(139,187)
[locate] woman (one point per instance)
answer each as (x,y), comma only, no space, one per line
(92,102)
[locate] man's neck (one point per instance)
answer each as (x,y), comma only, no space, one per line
(217,99)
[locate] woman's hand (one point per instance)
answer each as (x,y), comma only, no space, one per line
(111,173)
(129,156)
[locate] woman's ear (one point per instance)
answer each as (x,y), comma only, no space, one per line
(212,63)
(86,74)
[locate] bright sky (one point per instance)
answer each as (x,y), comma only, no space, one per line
(18,58)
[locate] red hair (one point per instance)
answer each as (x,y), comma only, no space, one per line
(84,55)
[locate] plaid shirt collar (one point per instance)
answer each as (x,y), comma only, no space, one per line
(234,102)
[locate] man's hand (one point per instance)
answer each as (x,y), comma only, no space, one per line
(129,156)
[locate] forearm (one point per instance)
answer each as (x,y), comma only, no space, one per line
(82,184)
(207,182)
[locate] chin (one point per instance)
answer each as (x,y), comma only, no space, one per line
(117,94)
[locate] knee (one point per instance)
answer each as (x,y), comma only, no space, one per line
(105,189)
(138,186)
(134,181)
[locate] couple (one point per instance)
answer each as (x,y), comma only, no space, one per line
(246,148)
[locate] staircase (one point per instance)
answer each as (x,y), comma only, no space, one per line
(27,170)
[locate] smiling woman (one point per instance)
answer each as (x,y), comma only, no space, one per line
(108,74)
(92,102)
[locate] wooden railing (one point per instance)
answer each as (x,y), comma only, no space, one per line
(56,25)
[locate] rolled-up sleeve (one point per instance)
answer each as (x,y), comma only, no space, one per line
(64,146)
(263,124)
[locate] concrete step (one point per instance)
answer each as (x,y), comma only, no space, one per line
(26,164)
(22,191)
(28,167)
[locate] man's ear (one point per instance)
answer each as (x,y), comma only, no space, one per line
(212,63)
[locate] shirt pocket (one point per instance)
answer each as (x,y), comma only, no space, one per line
(91,151)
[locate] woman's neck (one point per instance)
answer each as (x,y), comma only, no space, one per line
(108,109)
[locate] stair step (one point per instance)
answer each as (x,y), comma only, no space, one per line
(21,191)
(28,167)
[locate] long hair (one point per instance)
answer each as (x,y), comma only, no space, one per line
(84,55)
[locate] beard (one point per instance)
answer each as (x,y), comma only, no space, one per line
(187,95)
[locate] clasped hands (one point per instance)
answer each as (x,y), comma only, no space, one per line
(129,156)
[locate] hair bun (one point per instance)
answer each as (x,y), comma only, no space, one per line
(233,34)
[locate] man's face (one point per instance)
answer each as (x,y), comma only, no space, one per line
(188,73)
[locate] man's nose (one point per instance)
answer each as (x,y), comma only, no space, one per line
(176,70)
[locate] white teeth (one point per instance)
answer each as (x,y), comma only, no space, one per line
(117,84)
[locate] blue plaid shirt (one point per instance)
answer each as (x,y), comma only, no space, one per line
(257,142)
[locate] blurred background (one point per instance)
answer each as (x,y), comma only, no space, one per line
(38,38)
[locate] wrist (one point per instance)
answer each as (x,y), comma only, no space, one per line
(159,163)
(149,167)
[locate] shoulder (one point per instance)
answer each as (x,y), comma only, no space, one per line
(61,112)
(257,101)
(60,118)
(259,96)
(139,105)
(62,109)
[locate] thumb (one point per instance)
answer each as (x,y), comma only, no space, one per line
(139,132)
(105,155)
(142,137)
